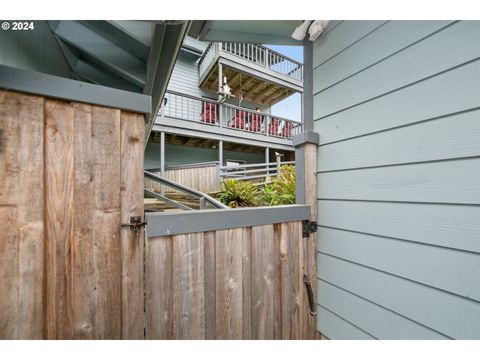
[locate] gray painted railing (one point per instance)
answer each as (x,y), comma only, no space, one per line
(212,113)
(258,54)
(252,171)
(204,198)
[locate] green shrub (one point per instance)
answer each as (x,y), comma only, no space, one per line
(236,193)
(282,189)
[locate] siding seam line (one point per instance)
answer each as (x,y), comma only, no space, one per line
(350,45)
(471,157)
(383,307)
(401,277)
(402,126)
(399,201)
(400,239)
(399,88)
(347,321)
(396,52)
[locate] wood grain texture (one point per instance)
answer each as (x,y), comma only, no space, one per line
(209,255)
(132,243)
(21,213)
(159,277)
(59,198)
(242,283)
(292,287)
(310,248)
(188,287)
(263,283)
(228,286)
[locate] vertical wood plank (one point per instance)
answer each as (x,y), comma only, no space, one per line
(263,282)
(209,276)
(83,281)
(188,286)
(106,224)
(59,160)
(21,214)
(132,243)
(228,276)
(311,242)
(277,283)
(159,289)
(247,283)
(291,281)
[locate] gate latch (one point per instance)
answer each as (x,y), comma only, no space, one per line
(309,227)
(135,223)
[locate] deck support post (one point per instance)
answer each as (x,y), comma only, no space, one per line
(220,80)
(306,180)
(220,163)
(162,158)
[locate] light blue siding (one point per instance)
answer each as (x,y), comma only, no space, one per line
(397,108)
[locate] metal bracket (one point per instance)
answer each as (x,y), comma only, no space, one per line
(308,228)
(135,223)
(311,300)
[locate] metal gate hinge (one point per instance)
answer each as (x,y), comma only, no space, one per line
(135,223)
(309,227)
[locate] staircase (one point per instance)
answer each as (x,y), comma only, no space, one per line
(175,196)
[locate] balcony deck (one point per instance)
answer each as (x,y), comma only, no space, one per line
(261,74)
(198,117)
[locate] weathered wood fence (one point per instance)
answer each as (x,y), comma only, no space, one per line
(201,177)
(235,283)
(71,173)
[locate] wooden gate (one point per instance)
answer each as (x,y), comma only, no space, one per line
(71,174)
(237,283)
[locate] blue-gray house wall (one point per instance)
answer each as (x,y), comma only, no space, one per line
(181,155)
(397,108)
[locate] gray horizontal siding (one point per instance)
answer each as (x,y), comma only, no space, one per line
(397,109)
(184,77)
(449,314)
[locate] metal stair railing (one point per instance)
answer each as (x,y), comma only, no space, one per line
(202,197)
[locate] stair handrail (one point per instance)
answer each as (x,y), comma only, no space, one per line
(185,189)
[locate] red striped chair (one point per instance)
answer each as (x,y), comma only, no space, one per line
(209,113)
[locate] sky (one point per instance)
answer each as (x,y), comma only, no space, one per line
(289,108)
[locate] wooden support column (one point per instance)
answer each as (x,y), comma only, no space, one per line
(306,192)
(220,152)
(220,80)
(162,157)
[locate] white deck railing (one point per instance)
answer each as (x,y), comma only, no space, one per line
(212,113)
(257,54)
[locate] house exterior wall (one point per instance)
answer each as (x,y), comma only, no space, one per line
(396,105)
(180,155)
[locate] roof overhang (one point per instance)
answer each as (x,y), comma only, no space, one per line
(275,32)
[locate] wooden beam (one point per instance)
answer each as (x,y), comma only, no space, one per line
(254,89)
(262,93)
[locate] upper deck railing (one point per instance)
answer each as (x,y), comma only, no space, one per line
(212,113)
(257,54)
